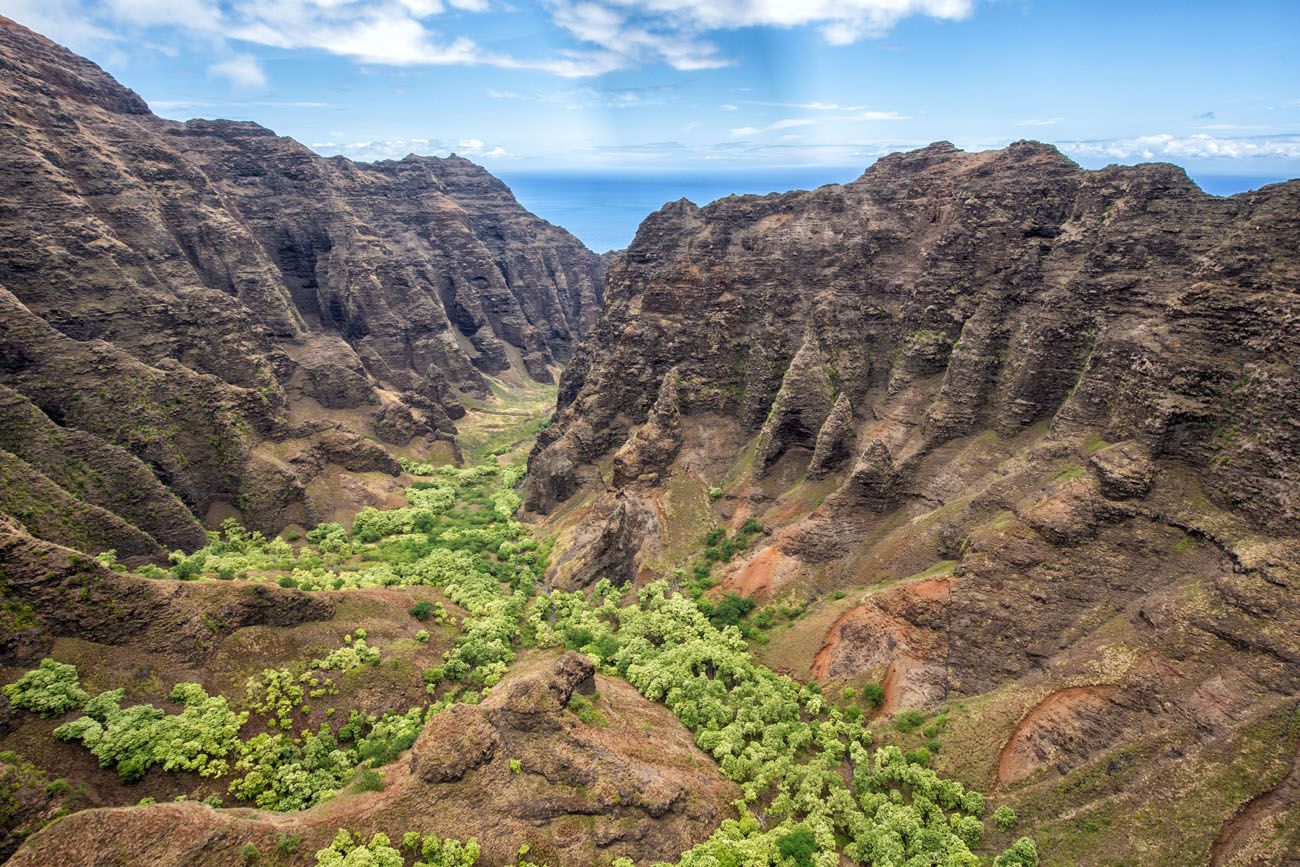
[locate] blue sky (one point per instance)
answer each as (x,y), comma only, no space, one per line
(692,84)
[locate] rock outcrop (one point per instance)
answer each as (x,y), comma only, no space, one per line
(992,290)
(517,769)
(51,592)
(1023,437)
(202,299)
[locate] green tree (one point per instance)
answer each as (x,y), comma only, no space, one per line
(50,689)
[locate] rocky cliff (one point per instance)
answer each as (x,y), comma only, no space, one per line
(219,315)
(1023,440)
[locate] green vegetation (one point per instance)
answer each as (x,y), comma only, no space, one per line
(50,689)
(435,851)
(1005,818)
(424,610)
(429,849)
(370,780)
(585,710)
(909,720)
(136,738)
(809,769)
(810,766)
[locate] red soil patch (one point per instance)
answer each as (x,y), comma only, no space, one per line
(1054,719)
(1253,815)
(822,661)
(899,668)
(931,590)
(759,576)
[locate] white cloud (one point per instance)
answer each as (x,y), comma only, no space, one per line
(242,70)
(64,21)
(632,32)
(808,106)
(1046,121)
(608,34)
(473,147)
(784,123)
(1166,146)
(792,122)
(586,96)
(178,105)
(726,106)
(190,14)
(624,41)
(371,150)
(841,21)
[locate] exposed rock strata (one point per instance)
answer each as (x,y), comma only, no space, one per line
(189,293)
(1124,300)
(1024,439)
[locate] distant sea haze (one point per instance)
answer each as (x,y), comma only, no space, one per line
(604,208)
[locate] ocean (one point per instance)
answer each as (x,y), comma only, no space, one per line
(604,208)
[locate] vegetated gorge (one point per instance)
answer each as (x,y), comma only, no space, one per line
(350,514)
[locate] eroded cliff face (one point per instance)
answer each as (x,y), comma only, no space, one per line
(1019,433)
(1123,301)
(234,314)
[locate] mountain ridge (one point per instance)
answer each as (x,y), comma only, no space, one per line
(322,301)
(1021,441)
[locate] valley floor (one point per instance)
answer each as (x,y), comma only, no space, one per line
(413,692)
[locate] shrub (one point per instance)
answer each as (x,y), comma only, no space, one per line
(288,844)
(908,720)
(422,635)
(370,780)
(729,611)
(250,854)
(874,694)
(421,610)
(50,689)
(584,710)
(435,851)
(345,850)
(799,846)
(516,766)
(715,493)
(1005,818)
(1023,853)
(134,739)
(282,774)
(389,736)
